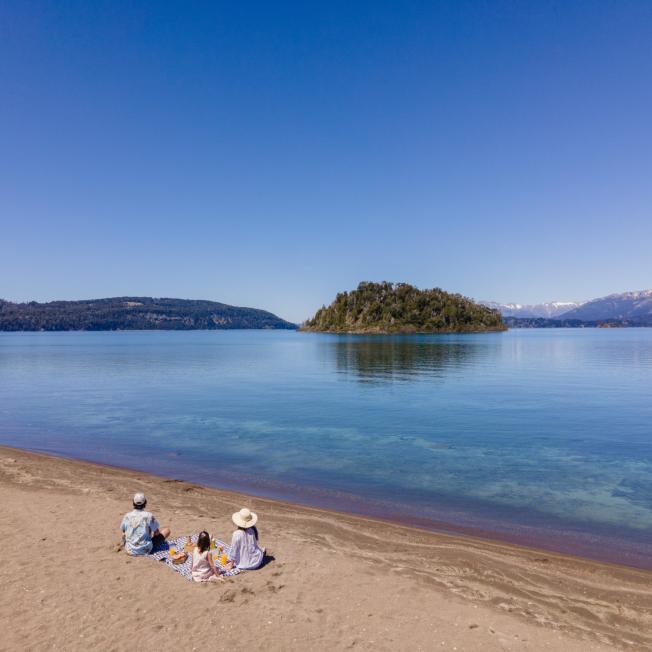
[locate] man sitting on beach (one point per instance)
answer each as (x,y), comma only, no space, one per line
(140,530)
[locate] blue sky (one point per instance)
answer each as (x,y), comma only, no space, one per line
(272,154)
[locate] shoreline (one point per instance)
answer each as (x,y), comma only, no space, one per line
(577,544)
(374,331)
(336,580)
(476,537)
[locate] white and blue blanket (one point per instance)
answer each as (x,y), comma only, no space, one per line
(161,553)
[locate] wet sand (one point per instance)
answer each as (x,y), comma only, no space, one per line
(336,582)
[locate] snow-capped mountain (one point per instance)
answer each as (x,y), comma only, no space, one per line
(634,306)
(547,310)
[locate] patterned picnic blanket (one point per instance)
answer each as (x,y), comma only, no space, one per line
(161,553)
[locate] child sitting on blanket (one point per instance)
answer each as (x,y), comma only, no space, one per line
(246,554)
(203,567)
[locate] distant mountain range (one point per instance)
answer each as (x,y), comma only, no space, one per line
(133,313)
(546,310)
(625,309)
(147,313)
(626,306)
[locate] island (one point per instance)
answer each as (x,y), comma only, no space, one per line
(133,313)
(392,308)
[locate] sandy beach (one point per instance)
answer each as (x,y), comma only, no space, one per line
(337,581)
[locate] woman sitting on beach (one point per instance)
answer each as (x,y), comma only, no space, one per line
(203,567)
(246,554)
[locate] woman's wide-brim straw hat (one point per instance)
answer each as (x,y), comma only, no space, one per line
(245,518)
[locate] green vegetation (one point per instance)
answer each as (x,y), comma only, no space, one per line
(132,313)
(402,308)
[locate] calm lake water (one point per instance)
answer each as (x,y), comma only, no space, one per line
(537,436)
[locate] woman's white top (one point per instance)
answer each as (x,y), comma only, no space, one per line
(245,551)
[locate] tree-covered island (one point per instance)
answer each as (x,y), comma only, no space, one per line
(402,308)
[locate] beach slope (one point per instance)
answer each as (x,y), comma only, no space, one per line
(337,581)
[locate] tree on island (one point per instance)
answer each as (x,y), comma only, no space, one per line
(402,308)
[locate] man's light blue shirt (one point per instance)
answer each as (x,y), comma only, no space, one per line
(139,527)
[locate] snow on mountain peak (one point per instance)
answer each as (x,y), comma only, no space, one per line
(634,296)
(549,310)
(624,305)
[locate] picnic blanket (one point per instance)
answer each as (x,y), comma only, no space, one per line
(161,553)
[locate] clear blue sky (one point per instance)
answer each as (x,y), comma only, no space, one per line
(270,154)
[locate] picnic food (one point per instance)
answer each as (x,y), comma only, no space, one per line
(179,557)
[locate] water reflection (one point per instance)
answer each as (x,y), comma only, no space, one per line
(393,358)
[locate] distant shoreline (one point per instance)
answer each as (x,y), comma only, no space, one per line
(135,313)
(145,330)
(298,329)
(518,323)
(403,331)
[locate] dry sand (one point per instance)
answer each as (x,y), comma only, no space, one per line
(337,582)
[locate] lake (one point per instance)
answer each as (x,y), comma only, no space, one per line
(541,437)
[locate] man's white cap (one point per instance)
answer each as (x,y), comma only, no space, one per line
(139,499)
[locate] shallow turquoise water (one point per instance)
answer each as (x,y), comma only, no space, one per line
(540,436)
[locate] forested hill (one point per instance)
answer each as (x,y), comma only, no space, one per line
(402,308)
(133,313)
